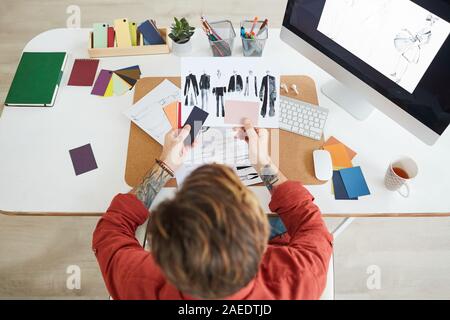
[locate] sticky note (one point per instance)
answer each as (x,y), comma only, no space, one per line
(339,155)
(354,182)
(340,193)
(102,82)
(332,140)
(83,159)
(236,111)
(171,111)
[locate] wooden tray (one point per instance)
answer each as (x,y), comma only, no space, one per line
(140,49)
(295,152)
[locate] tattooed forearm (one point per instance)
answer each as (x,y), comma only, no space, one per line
(269,175)
(155,179)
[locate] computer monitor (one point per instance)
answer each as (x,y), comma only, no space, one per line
(391,54)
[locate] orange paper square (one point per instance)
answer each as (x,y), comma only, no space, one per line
(171,111)
(339,155)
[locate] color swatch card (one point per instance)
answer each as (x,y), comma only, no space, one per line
(332,140)
(102,82)
(171,111)
(83,72)
(150,33)
(116,82)
(354,182)
(196,120)
(236,111)
(340,193)
(120,86)
(83,159)
(339,155)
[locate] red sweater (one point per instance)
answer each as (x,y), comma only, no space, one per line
(294,269)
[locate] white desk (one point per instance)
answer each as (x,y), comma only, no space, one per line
(36,173)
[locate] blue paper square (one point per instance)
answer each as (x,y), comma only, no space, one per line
(354,182)
(339,189)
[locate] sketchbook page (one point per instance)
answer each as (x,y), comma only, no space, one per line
(218,145)
(218,85)
(396,37)
(148,113)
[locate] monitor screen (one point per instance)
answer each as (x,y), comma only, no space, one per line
(400,48)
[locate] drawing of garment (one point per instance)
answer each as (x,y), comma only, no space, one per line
(219,92)
(268,95)
(250,84)
(205,84)
(409,46)
(191,90)
(235,84)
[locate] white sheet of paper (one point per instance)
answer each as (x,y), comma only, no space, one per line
(389,35)
(218,145)
(221,71)
(148,112)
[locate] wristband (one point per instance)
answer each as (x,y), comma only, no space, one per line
(165,167)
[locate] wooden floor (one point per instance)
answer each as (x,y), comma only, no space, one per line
(413,254)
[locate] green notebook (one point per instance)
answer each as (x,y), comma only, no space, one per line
(37,79)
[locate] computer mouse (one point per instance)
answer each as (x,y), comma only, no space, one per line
(323,166)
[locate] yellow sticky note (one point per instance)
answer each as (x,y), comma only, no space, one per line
(339,155)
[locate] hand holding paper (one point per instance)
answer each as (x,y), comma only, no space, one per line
(174,150)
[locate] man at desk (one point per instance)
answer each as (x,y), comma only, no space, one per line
(211,240)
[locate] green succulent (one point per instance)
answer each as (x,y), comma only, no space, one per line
(181,31)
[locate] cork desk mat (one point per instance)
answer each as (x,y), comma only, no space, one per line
(295,151)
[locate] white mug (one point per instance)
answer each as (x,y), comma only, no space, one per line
(399,173)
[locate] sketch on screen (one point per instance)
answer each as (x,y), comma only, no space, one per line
(396,37)
(218,86)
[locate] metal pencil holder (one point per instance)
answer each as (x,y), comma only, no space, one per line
(224,47)
(254,47)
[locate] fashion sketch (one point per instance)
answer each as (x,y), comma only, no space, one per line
(345,10)
(409,45)
(251,87)
(235,83)
(219,90)
(205,85)
(191,90)
(268,94)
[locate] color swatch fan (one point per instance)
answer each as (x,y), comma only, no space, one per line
(116,82)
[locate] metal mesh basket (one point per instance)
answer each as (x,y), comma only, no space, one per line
(224,47)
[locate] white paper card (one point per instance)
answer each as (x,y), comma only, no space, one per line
(148,112)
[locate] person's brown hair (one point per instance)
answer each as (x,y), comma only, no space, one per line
(209,239)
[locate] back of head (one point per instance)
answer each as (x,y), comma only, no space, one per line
(209,239)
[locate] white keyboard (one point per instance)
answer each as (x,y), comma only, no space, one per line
(302,118)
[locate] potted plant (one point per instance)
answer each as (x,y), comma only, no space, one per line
(181,32)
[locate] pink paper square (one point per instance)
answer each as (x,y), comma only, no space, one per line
(236,111)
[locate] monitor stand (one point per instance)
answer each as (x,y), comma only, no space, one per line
(347,99)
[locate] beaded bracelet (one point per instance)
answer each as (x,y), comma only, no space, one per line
(165,167)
